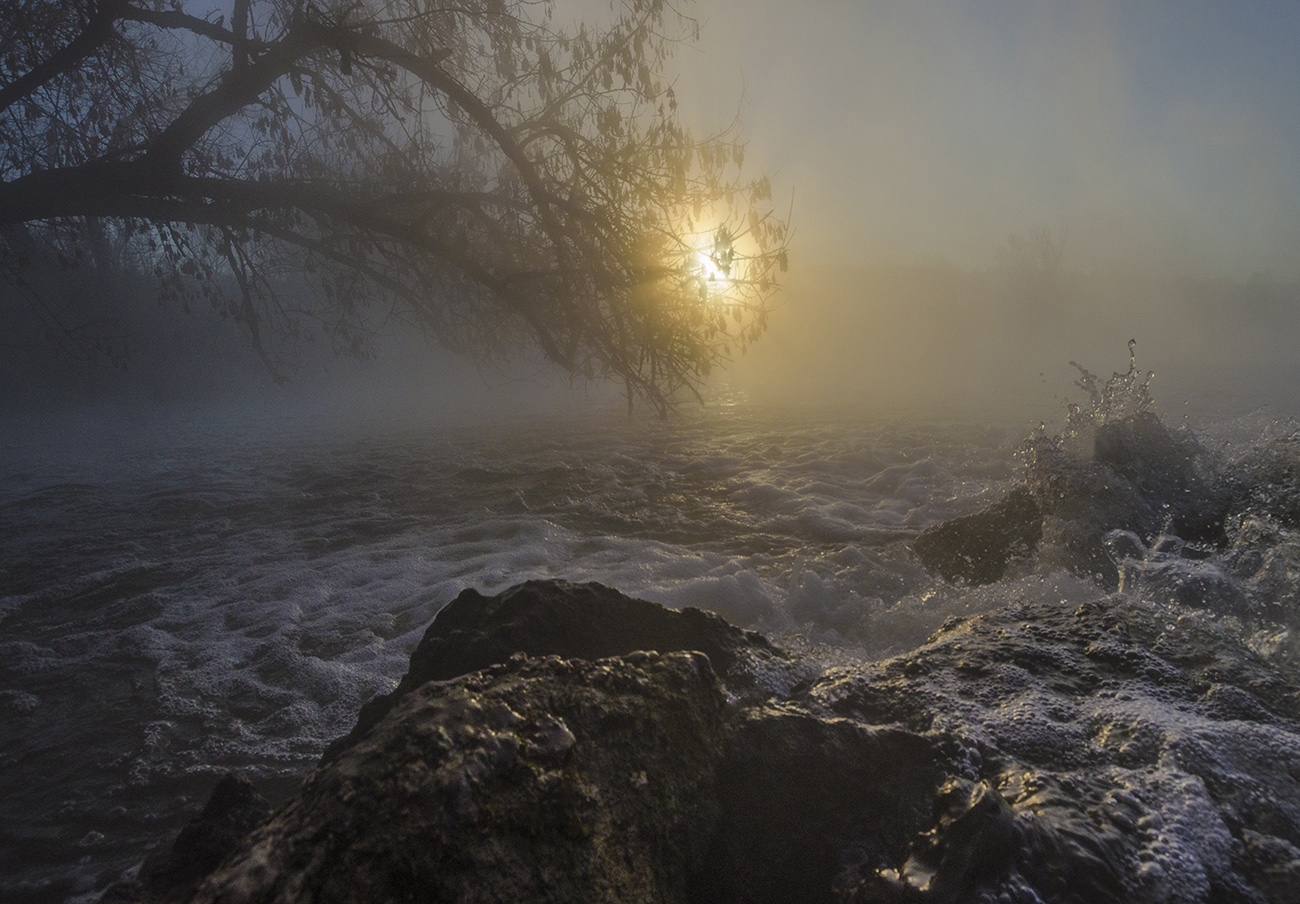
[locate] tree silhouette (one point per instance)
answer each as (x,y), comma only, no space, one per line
(1032,262)
(472,168)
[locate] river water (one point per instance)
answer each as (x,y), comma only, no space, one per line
(221,595)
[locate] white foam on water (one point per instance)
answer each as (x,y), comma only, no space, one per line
(217,600)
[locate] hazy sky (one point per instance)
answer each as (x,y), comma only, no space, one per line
(1157,133)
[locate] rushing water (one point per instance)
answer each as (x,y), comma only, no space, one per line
(174,608)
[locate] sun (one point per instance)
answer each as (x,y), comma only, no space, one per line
(715,257)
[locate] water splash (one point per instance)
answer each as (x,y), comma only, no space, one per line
(1123,396)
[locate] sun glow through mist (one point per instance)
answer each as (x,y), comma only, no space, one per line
(709,269)
(713,264)
(715,257)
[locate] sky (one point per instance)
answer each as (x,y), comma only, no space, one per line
(1157,135)
(1161,138)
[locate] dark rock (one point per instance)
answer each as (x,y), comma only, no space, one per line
(1140,479)
(980,844)
(1265,482)
(977,548)
(1110,753)
(574,621)
(536,780)
(805,798)
(233,810)
(1179,581)
(1274,861)
(1265,556)
(1177,573)
(1124,545)
(1162,468)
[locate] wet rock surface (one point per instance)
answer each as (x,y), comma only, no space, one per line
(536,780)
(806,796)
(590,621)
(977,548)
(1140,477)
(1110,753)
(1115,751)
(1131,475)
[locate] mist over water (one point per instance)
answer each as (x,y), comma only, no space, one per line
(996,345)
(933,341)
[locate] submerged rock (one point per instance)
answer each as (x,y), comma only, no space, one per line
(978,548)
(1265,482)
(1265,555)
(1138,478)
(1179,581)
(1175,573)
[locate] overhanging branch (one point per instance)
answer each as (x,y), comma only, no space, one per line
(97,32)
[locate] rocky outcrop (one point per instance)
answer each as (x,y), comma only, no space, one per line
(536,780)
(1138,478)
(588,621)
(1109,752)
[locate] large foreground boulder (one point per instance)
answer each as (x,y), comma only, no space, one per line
(537,780)
(586,621)
(806,797)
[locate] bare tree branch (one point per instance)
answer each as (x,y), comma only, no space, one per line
(97,32)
